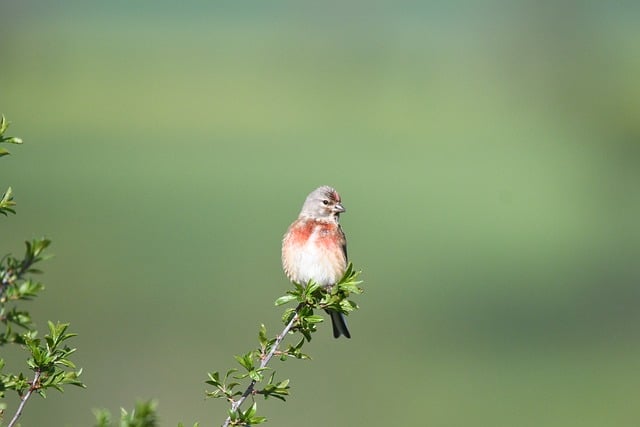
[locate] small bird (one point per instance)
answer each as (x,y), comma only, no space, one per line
(315,248)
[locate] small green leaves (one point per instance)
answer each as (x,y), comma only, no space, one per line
(278,390)
(285,299)
(223,389)
(49,361)
(6,201)
(13,285)
(26,290)
(246,361)
(143,415)
(308,297)
(262,336)
(49,358)
(4,125)
(33,253)
(294,351)
(288,315)
(314,295)
(246,418)
(314,319)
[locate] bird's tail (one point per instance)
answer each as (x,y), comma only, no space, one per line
(339,323)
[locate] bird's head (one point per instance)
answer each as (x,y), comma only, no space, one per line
(323,203)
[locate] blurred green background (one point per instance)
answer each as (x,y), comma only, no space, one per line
(488,156)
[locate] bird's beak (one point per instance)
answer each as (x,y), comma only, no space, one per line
(338,208)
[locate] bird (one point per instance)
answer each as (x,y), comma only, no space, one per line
(315,247)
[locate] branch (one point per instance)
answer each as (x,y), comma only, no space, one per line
(23,400)
(264,363)
(16,269)
(300,319)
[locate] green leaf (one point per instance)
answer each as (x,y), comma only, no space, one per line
(4,125)
(103,417)
(255,375)
(251,411)
(256,420)
(348,272)
(285,299)
(288,314)
(7,203)
(314,319)
(262,336)
(233,415)
(246,361)
(312,287)
(350,287)
(347,306)
(214,379)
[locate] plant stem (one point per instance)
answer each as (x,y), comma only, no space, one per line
(11,276)
(236,404)
(23,400)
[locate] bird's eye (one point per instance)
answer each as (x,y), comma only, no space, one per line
(325,202)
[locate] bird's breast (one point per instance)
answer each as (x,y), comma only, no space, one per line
(314,251)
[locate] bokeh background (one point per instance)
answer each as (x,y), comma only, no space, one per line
(488,154)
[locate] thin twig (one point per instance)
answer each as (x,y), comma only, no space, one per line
(5,281)
(23,401)
(10,276)
(236,404)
